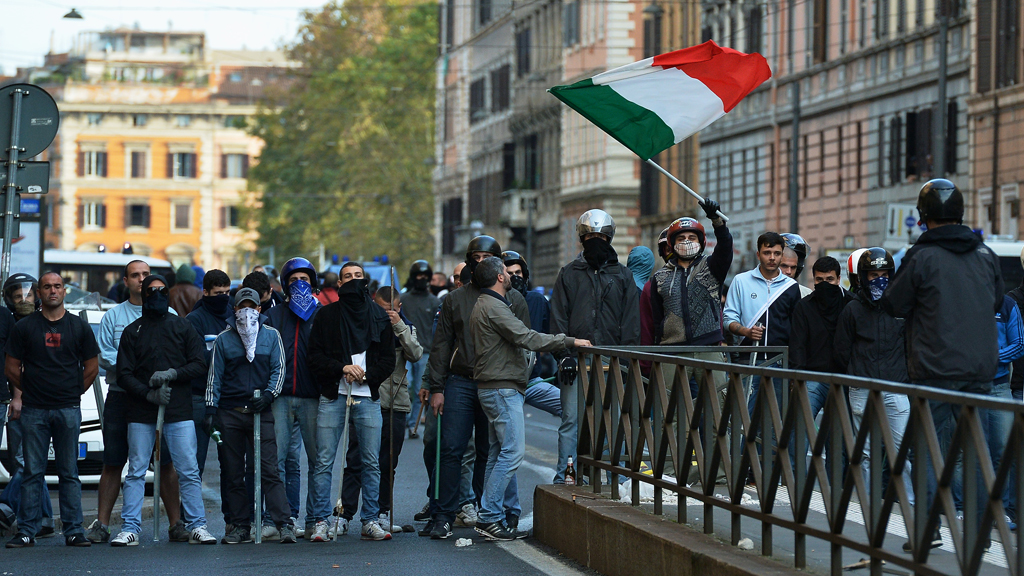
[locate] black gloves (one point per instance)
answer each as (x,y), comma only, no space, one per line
(162,377)
(160,396)
(710,208)
(567,370)
(262,403)
(210,421)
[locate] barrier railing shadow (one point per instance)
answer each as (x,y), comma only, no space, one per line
(627,419)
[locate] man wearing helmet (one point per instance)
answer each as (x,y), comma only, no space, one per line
(453,391)
(594,298)
(794,256)
(948,269)
(419,305)
(300,395)
(7,511)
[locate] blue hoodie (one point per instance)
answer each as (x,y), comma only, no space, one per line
(1011,338)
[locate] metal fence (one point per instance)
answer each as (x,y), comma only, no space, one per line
(627,419)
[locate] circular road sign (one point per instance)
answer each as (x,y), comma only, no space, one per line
(38,120)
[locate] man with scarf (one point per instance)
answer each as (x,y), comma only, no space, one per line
(115,417)
(453,393)
(300,396)
(595,299)
(158,356)
(247,356)
(351,351)
(419,305)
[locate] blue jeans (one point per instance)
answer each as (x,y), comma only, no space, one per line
(546,396)
(507,436)
(330,424)
(897,410)
(996,426)
(290,413)
(567,430)
(181,441)
(415,381)
(39,426)
(462,415)
(12,493)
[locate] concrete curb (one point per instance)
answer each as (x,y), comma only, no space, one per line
(618,540)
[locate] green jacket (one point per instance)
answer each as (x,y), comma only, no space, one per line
(499,338)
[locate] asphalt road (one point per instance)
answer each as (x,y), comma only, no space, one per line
(406,554)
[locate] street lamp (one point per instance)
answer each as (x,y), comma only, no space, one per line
(73,15)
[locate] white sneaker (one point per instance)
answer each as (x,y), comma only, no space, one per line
(340,528)
(201,535)
(125,539)
(385,522)
(270,532)
(299,531)
(467,516)
(372,531)
(321,532)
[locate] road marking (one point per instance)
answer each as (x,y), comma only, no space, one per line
(546,563)
(545,472)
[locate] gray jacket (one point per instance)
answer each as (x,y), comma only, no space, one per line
(397,386)
(499,339)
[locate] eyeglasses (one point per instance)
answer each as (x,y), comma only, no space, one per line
(157,290)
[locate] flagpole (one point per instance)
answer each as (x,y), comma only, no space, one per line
(684,186)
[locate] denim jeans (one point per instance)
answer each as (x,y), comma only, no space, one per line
(181,441)
(39,426)
(291,412)
(567,430)
(996,426)
(329,427)
(415,381)
(544,395)
(507,437)
(12,492)
(897,410)
(462,415)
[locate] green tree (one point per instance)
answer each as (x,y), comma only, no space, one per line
(348,141)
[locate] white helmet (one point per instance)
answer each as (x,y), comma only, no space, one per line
(595,221)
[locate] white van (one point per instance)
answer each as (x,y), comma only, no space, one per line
(1009,261)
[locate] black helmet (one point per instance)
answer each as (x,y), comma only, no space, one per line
(797,244)
(20,280)
(420,267)
(512,257)
(483,244)
(940,200)
(873,260)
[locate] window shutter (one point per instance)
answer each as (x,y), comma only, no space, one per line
(103,164)
(245,165)
(103,215)
(80,169)
(81,216)
(192,165)
(223,165)
(127,215)
(170,165)
(223,217)
(145,216)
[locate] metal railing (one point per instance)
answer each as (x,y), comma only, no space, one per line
(626,419)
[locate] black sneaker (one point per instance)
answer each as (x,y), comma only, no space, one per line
(177,532)
(45,532)
(495,531)
(908,547)
(427,529)
(287,532)
(78,541)
(238,535)
(442,529)
(21,541)
(423,514)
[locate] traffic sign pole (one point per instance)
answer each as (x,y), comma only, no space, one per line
(10,190)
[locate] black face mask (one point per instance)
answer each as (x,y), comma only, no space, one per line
(829,298)
(435,290)
(155,305)
(357,287)
(518,284)
(420,284)
(217,305)
(598,252)
(466,276)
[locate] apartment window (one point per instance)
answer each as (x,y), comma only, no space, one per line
(92,214)
(183,120)
(451,220)
(755,29)
(531,162)
(181,165)
(477,101)
(571,23)
(136,214)
(181,215)
(652,35)
(500,88)
(821,31)
(139,120)
(508,165)
(881,19)
(92,163)
(230,217)
(449,23)
(952,115)
(483,12)
(94,118)
(234,166)
(137,167)
(234,121)
(919,144)
(523,52)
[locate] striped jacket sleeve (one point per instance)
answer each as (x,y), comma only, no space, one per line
(277,360)
(216,373)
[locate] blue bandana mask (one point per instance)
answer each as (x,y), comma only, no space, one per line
(301,300)
(877,287)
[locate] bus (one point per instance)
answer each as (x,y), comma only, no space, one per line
(96,271)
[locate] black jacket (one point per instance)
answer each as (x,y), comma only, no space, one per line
(327,357)
(602,306)
(452,350)
(419,308)
(810,337)
(6,324)
(949,288)
(869,342)
(294,331)
(205,324)
(1017,375)
(149,345)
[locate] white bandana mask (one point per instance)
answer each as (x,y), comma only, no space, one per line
(687,249)
(247,321)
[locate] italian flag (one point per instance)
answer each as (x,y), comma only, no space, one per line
(655,103)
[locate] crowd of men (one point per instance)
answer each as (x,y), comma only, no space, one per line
(339,365)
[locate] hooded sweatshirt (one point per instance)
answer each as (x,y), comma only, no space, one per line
(640,263)
(949,288)
(184,294)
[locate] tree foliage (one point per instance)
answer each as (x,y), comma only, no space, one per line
(348,144)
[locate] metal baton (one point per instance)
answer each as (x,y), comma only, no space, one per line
(160,412)
(257,472)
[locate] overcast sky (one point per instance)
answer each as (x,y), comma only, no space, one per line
(27,25)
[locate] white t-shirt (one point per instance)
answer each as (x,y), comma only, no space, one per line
(360,389)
